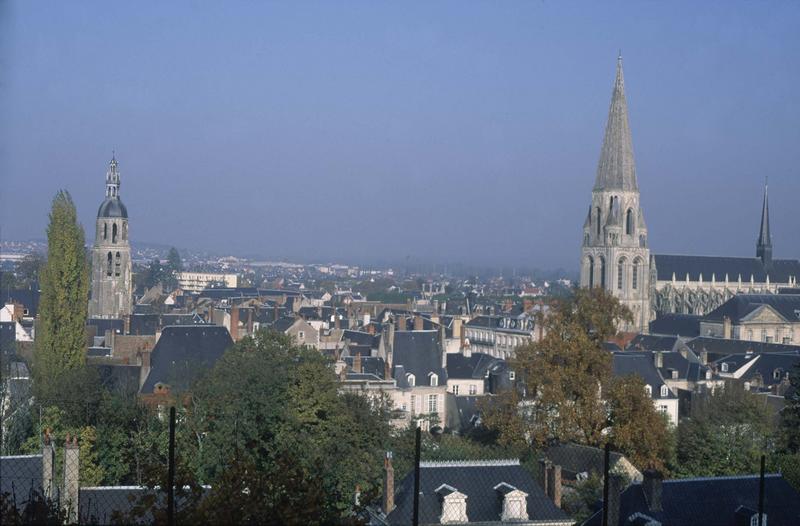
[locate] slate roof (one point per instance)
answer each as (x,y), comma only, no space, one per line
(718,266)
(719,347)
(476,480)
(646,342)
(106,324)
(8,335)
(577,458)
(640,363)
(182,352)
(687,325)
(370,365)
(419,353)
(688,367)
(144,324)
(20,475)
(712,502)
(740,306)
(469,367)
(361,338)
(29,298)
(283,324)
(764,365)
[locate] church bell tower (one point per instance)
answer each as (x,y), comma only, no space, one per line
(112,286)
(615,253)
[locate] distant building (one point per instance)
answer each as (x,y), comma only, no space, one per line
(616,256)
(112,281)
(198,281)
(769,318)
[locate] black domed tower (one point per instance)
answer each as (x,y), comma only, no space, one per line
(112,290)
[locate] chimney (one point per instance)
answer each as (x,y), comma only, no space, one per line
(250,321)
(651,485)
(126,324)
(554,484)
(544,479)
(419,323)
(726,327)
(388,483)
(48,467)
(387,371)
(275,311)
(337,322)
(235,323)
(704,357)
(658,358)
(461,336)
(615,483)
(210,314)
(357,363)
(371,328)
(71,479)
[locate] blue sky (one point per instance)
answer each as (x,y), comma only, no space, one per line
(380,131)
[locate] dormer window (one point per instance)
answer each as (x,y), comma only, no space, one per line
(754,520)
(664,391)
(454,505)
(511,375)
(434,379)
(515,503)
(708,374)
(648,390)
(724,367)
(776,374)
(411,379)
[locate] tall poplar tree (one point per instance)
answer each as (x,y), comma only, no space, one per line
(64,281)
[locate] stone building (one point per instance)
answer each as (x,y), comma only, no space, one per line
(112,290)
(615,253)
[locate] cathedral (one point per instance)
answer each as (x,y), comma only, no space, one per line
(112,283)
(616,255)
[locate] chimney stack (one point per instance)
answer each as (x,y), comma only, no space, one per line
(48,467)
(357,363)
(726,327)
(235,323)
(554,484)
(615,483)
(388,484)
(71,479)
(652,487)
(419,323)
(544,479)
(658,358)
(337,321)
(704,357)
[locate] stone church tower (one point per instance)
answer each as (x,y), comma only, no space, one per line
(112,287)
(615,253)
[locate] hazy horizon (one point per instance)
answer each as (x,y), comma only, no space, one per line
(370,132)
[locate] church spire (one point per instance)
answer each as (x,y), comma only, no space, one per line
(112,179)
(764,246)
(616,169)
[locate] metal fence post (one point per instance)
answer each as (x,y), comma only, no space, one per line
(606,463)
(415,520)
(171,470)
(761,493)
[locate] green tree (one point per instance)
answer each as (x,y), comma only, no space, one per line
(790,415)
(637,429)
(726,434)
(60,332)
(173,266)
(153,275)
(563,374)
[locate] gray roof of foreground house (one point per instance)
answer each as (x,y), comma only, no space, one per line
(718,267)
(21,477)
(719,347)
(642,364)
(577,458)
(687,325)
(182,352)
(740,306)
(418,353)
(771,367)
(719,501)
(647,342)
(475,366)
(477,480)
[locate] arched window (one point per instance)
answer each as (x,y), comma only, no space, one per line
(412,380)
(434,379)
(648,390)
(664,391)
(105,230)
(110,263)
(635,275)
(598,221)
(629,222)
(118,265)
(621,274)
(114,233)
(603,272)
(591,272)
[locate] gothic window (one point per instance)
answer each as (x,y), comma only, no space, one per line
(635,275)
(603,272)
(105,230)
(118,265)
(598,221)
(621,274)
(586,239)
(110,261)
(114,233)
(642,241)
(629,222)
(124,231)
(591,272)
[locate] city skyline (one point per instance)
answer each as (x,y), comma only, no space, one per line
(505,179)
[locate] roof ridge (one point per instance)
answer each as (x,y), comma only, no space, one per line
(468,463)
(727,477)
